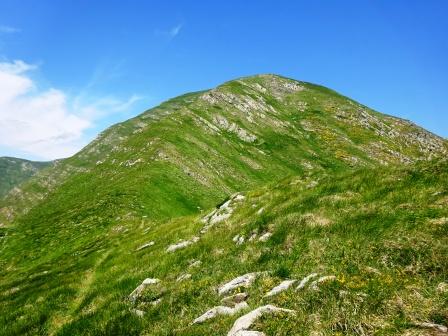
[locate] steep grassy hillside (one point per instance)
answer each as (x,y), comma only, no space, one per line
(70,234)
(381,232)
(14,171)
(191,151)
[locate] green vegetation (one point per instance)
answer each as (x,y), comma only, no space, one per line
(341,189)
(14,171)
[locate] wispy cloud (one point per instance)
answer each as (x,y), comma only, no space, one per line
(47,123)
(8,29)
(170,33)
(175,30)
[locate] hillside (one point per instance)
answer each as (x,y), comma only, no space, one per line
(333,187)
(14,171)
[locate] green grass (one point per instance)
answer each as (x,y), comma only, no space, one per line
(391,220)
(15,171)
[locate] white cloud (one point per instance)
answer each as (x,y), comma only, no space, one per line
(175,30)
(8,30)
(44,123)
(170,33)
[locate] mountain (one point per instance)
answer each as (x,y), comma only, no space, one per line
(14,171)
(332,186)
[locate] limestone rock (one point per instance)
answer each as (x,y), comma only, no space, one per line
(220,310)
(305,280)
(148,244)
(264,237)
(182,244)
(183,277)
(314,285)
(241,281)
(234,299)
(138,312)
(137,292)
(438,327)
(245,322)
(222,213)
(284,285)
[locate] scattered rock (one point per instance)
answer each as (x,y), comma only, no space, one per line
(372,270)
(139,313)
(183,277)
(147,282)
(232,300)
(265,237)
(305,280)
(260,211)
(151,243)
(284,285)
(314,285)
(182,244)
(220,310)
(442,287)
(428,325)
(222,213)
(155,302)
(252,237)
(241,281)
(238,239)
(250,333)
(195,263)
(245,322)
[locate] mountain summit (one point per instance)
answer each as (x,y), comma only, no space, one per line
(275,183)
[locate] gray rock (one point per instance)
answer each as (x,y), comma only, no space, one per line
(234,299)
(241,281)
(245,322)
(139,313)
(137,292)
(428,325)
(265,237)
(284,285)
(148,244)
(183,277)
(305,280)
(182,244)
(315,284)
(220,310)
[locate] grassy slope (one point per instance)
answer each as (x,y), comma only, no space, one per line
(393,220)
(15,171)
(85,216)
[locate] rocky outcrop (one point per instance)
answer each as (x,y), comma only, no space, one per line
(305,280)
(220,310)
(234,299)
(144,246)
(284,285)
(245,322)
(182,244)
(242,281)
(315,284)
(222,213)
(138,291)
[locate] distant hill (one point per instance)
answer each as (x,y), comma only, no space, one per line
(14,171)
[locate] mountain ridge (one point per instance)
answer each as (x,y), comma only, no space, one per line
(14,171)
(199,180)
(113,137)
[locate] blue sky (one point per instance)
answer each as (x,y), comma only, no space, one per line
(69,69)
